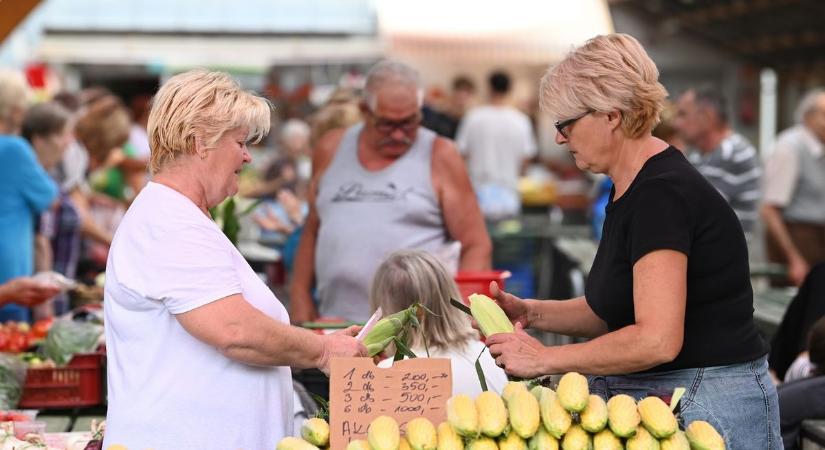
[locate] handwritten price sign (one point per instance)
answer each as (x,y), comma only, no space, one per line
(359,392)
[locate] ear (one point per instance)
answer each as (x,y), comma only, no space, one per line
(614,119)
(200,149)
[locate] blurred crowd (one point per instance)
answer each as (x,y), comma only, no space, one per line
(80,157)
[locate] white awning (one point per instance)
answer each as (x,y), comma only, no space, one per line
(181,51)
(524,31)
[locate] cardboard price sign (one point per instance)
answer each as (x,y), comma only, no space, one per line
(359,392)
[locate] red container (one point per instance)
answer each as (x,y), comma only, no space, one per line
(77,384)
(478,282)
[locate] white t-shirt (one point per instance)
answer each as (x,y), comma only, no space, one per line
(495,140)
(168,390)
(465,379)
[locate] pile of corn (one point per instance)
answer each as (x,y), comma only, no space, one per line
(569,418)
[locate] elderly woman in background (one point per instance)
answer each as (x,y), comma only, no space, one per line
(415,276)
(668,301)
(199,347)
(25,191)
(47,127)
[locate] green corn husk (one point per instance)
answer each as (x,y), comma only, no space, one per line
(388,328)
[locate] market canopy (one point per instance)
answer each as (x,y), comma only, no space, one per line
(787,35)
(524,31)
(12,12)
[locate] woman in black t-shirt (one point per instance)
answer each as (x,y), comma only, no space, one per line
(668,301)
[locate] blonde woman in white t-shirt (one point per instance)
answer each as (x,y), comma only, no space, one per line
(199,348)
(415,276)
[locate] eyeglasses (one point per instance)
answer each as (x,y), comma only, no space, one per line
(563,125)
(387,126)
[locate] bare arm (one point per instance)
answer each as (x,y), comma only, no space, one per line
(87,224)
(301,308)
(26,291)
(245,334)
(459,207)
(43,257)
(660,293)
(569,317)
(797,266)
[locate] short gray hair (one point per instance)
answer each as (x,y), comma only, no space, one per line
(14,92)
(390,71)
(808,104)
(415,276)
(295,127)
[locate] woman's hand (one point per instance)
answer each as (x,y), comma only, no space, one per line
(342,343)
(515,308)
(26,291)
(518,353)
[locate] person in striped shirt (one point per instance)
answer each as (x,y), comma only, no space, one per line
(726,158)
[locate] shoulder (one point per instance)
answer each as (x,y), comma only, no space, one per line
(669,186)
(445,153)
(790,141)
(326,148)
(16,148)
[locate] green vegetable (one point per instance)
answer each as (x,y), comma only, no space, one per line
(12,376)
(66,338)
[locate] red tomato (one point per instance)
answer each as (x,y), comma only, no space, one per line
(4,340)
(41,328)
(17,417)
(18,342)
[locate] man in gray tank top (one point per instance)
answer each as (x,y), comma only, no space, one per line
(379,186)
(794,191)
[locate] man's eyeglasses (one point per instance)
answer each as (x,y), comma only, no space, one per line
(387,126)
(563,125)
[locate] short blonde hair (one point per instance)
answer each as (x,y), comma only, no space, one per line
(201,106)
(608,73)
(14,92)
(415,276)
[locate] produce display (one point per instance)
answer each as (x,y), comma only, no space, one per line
(16,337)
(568,418)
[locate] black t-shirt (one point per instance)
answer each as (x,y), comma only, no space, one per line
(670,205)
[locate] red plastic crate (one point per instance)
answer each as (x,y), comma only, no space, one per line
(478,282)
(77,384)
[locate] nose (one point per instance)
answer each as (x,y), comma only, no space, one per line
(560,139)
(398,134)
(247,157)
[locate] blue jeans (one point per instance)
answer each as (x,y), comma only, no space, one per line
(739,400)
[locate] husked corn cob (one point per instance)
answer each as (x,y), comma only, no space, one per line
(448,439)
(702,436)
(421,434)
(381,335)
(492,414)
(490,317)
(315,431)
(462,415)
(383,434)
(294,443)
(358,444)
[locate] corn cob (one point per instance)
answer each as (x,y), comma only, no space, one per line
(315,431)
(382,334)
(490,317)
(294,443)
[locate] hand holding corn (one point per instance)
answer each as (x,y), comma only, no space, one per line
(518,353)
(340,344)
(515,308)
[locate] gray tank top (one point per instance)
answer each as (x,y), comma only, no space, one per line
(366,215)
